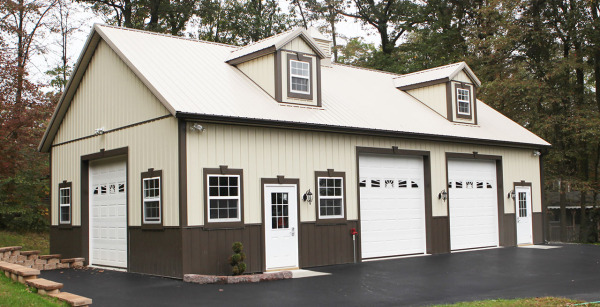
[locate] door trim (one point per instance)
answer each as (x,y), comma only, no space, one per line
(279,180)
(523,183)
(85,196)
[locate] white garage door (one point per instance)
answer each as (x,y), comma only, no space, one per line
(392,205)
(108,213)
(473,204)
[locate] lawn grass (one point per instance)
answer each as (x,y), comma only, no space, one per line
(15,294)
(537,301)
(29,241)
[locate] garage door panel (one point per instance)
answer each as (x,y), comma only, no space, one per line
(392,206)
(473,203)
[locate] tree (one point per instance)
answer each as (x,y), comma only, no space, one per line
(329,10)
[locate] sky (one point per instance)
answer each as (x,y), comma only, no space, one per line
(84,19)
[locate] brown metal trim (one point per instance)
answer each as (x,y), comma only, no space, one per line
(499,187)
(330,173)
(223,170)
(299,56)
(279,180)
(537,219)
(145,175)
(63,185)
(251,56)
(462,85)
(278,77)
(449,112)
(182,147)
(423,84)
(51,187)
(85,196)
(217,119)
(474,105)
(319,98)
(114,130)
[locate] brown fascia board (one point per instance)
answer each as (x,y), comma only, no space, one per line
(70,89)
(423,84)
(252,56)
(219,119)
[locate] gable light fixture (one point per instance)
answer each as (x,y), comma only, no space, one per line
(99,131)
(443,195)
(511,194)
(197,127)
(308,196)
(537,153)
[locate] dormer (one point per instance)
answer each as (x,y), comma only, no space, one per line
(287,66)
(449,90)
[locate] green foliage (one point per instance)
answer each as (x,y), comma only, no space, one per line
(15,294)
(29,240)
(238,267)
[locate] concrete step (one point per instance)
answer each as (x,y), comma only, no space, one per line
(72,299)
(46,257)
(44,284)
(10,249)
(71,260)
(28,253)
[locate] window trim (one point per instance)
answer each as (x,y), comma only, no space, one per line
(330,220)
(223,171)
(63,186)
(461,115)
(292,75)
(152,225)
(459,101)
(299,57)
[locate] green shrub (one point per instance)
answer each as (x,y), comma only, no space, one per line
(238,267)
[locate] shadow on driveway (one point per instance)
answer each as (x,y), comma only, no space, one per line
(571,271)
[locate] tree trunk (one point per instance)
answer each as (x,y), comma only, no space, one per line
(127,14)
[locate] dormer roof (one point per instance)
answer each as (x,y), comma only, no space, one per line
(437,74)
(272,44)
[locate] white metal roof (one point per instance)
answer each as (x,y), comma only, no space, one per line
(437,73)
(190,76)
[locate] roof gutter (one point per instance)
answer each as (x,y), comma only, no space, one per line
(219,119)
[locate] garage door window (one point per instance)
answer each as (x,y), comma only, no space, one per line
(330,193)
(64,201)
(151,197)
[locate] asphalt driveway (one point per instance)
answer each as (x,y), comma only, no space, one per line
(571,271)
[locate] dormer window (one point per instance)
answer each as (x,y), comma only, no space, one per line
(300,77)
(463,101)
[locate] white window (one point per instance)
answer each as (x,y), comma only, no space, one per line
(299,77)
(223,198)
(152,200)
(464,101)
(65,205)
(331,197)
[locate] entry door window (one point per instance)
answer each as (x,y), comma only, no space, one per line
(522,204)
(279,211)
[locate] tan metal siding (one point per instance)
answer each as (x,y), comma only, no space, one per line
(151,145)
(433,96)
(262,72)
(298,44)
(266,153)
(109,96)
(462,77)
(325,46)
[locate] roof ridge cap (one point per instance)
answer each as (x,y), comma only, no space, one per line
(431,69)
(166,35)
(266,38)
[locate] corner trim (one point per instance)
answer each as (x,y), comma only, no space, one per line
(423,84)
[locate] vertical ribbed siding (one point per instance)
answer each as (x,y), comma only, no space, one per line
(109,96)
(266,153)
(262,72)
(462,77)
(298,44)
(433,96)
(151,145)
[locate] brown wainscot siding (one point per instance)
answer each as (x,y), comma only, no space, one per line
(440,235)
(327,244)
(155,252)
(205,251)
(538,227)
(66,241)
(508,237)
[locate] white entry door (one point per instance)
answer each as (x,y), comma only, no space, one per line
(524,227)
(392,205)
(281,226)
(473,202)
(108,213)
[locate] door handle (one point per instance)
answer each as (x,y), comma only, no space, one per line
(293,231)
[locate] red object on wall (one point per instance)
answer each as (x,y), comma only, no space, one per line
(353,231)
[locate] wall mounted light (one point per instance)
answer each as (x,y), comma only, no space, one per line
(443,195)
(537,153)
(99,131)
(197,127)
(308,196)
(511,194)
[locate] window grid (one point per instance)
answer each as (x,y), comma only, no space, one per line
(299,77)
(65,205)
(463,101)
(151,192)
(223,198)
(522,204)
(331,197)
(279,211)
